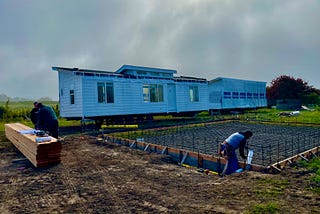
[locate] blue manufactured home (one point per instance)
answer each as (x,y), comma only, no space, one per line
(129,91)
(228,93)
(135,91)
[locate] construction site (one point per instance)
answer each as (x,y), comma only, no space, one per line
(163,170)
(273,145)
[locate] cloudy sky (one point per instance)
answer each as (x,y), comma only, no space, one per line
(247,39)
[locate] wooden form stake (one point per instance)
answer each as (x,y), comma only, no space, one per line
(304,155)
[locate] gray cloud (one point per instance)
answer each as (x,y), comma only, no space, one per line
(257,40)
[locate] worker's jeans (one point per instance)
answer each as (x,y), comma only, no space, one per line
(230,152)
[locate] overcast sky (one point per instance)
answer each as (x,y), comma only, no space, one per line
(247,39)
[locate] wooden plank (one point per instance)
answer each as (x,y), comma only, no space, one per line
(303,155)
(39,154)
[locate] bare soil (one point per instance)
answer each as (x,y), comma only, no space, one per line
(109,178)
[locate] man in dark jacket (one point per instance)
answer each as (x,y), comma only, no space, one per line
(47,120)
(34,114)
(235,141)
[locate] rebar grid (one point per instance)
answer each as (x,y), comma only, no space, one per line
(271,143)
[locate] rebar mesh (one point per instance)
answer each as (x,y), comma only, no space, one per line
(271,143)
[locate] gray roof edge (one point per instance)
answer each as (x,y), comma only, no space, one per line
(227,78)
(142,68)
(79,70)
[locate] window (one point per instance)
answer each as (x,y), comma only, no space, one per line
(262,96)
(154,74)
(142,73)
(71,96)
(255,95)
(194,93)
(152,93)
(101,92)
(105,92)
(110,95)
(235,95)
(249,95)
(242,95)
(227,95)
(166,75)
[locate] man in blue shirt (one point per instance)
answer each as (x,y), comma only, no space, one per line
(230,145)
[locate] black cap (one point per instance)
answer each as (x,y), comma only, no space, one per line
(248,134)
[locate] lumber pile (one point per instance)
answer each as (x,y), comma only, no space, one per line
(41,151)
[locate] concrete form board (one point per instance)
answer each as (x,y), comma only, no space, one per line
(271,143)
(180,156)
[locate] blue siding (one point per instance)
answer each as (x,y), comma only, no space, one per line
(128,97)
(234,94)
(67,82)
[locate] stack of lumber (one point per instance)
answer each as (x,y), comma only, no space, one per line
(39,154)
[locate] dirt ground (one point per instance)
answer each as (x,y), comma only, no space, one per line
(109,178)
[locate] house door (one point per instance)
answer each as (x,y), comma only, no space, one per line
(172,100)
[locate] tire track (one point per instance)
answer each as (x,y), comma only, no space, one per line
(70,186)
(107,179)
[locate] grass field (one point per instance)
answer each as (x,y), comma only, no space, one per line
(270,115)
(19,111)
(26,104)
(267,114)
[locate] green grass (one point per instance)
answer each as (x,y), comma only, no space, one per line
(19,110)
(314,166)
(274,187)
(272,115)
(26,104)
(265,208)
(267,115)
(62,122)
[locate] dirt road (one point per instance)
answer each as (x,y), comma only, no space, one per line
(108,178)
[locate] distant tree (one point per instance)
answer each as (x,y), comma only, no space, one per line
(312,98)
(19,99)
(43,99)
(287,87)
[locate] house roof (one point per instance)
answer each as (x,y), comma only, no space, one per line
(141,68)
(190,79)
(79,70)
(121,70)
(233,79)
